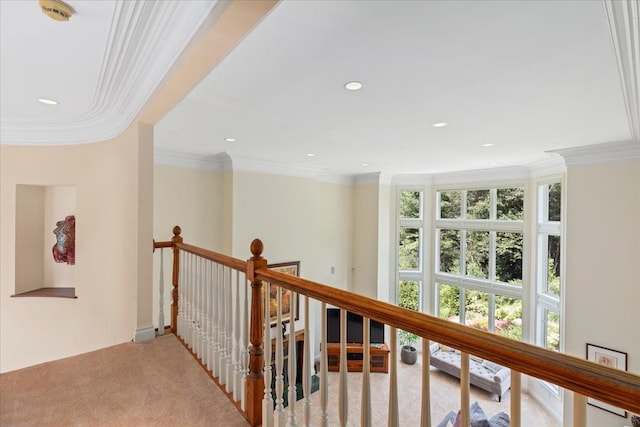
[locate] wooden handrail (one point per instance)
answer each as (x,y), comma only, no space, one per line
(235,263)
(609,385)
(158,245)
(616,387)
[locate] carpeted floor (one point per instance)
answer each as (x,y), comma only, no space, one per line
(158,383)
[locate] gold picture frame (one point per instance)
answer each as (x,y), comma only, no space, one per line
(292,268)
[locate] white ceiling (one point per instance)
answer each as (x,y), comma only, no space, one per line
(526,76)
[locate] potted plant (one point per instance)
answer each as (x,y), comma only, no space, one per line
(408,353)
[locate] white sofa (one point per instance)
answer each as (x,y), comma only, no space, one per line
(484,374)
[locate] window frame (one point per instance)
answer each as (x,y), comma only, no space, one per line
(490,285)
(547,302)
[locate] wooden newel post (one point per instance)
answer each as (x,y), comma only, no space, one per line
(255,377)
(174,279)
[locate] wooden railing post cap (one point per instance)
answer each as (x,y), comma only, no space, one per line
(256,249)
(176,231)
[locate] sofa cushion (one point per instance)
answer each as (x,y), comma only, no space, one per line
(492,366)
(500,420)
(477,415)
(502,375)
(448,420)
(478,418)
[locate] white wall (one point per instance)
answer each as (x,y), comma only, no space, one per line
(602,254)
(108,264)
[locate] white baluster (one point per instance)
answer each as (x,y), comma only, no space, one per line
(365,409)
(267,400)
(516,388)
(278,416)
(216,326)
(194,303)
(206,354)
(197,311)
(188,303)
(293,366)
(343,397)
(161,312)
(191,299)
(181,285)
(579,410)
(465,389)
(393,419)
(245,342)
(229,322)
(237,364)
(306,365)
(202,336)
(207,304)
(222,333)
(324,384)
(425,406)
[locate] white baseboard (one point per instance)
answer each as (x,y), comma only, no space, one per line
(147,333)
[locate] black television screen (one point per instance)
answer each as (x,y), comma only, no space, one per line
(354,328)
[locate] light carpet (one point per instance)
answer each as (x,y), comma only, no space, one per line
(158,383)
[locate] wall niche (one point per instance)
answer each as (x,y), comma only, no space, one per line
(39,209)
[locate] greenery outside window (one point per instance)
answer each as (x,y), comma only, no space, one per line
(410,249)
(479,249)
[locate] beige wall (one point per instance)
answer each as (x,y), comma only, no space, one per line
(365,246)
(108,264)
(297,219)
(29,225)
(602,253)
(192,199)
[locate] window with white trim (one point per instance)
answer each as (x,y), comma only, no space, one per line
(479,251)
(548,266)
(410,249)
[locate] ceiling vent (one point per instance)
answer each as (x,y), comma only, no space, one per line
(56,9)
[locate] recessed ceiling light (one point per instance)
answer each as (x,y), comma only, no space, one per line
(353,86)
(47,101)
(230,139)
(493,164)
(439,124)
(365,164)
(310,155)
(487,145)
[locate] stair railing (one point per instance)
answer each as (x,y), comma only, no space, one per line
(218,311)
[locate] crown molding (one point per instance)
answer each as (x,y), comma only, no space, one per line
(552,165)
(246,164)
(223,162)
(623,17)
(192,161)
(333,178)
(145,40)
(600,153)
(368,178)
(412,179)
(510,173)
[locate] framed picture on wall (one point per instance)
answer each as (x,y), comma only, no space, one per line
(292,268)
(611,359)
